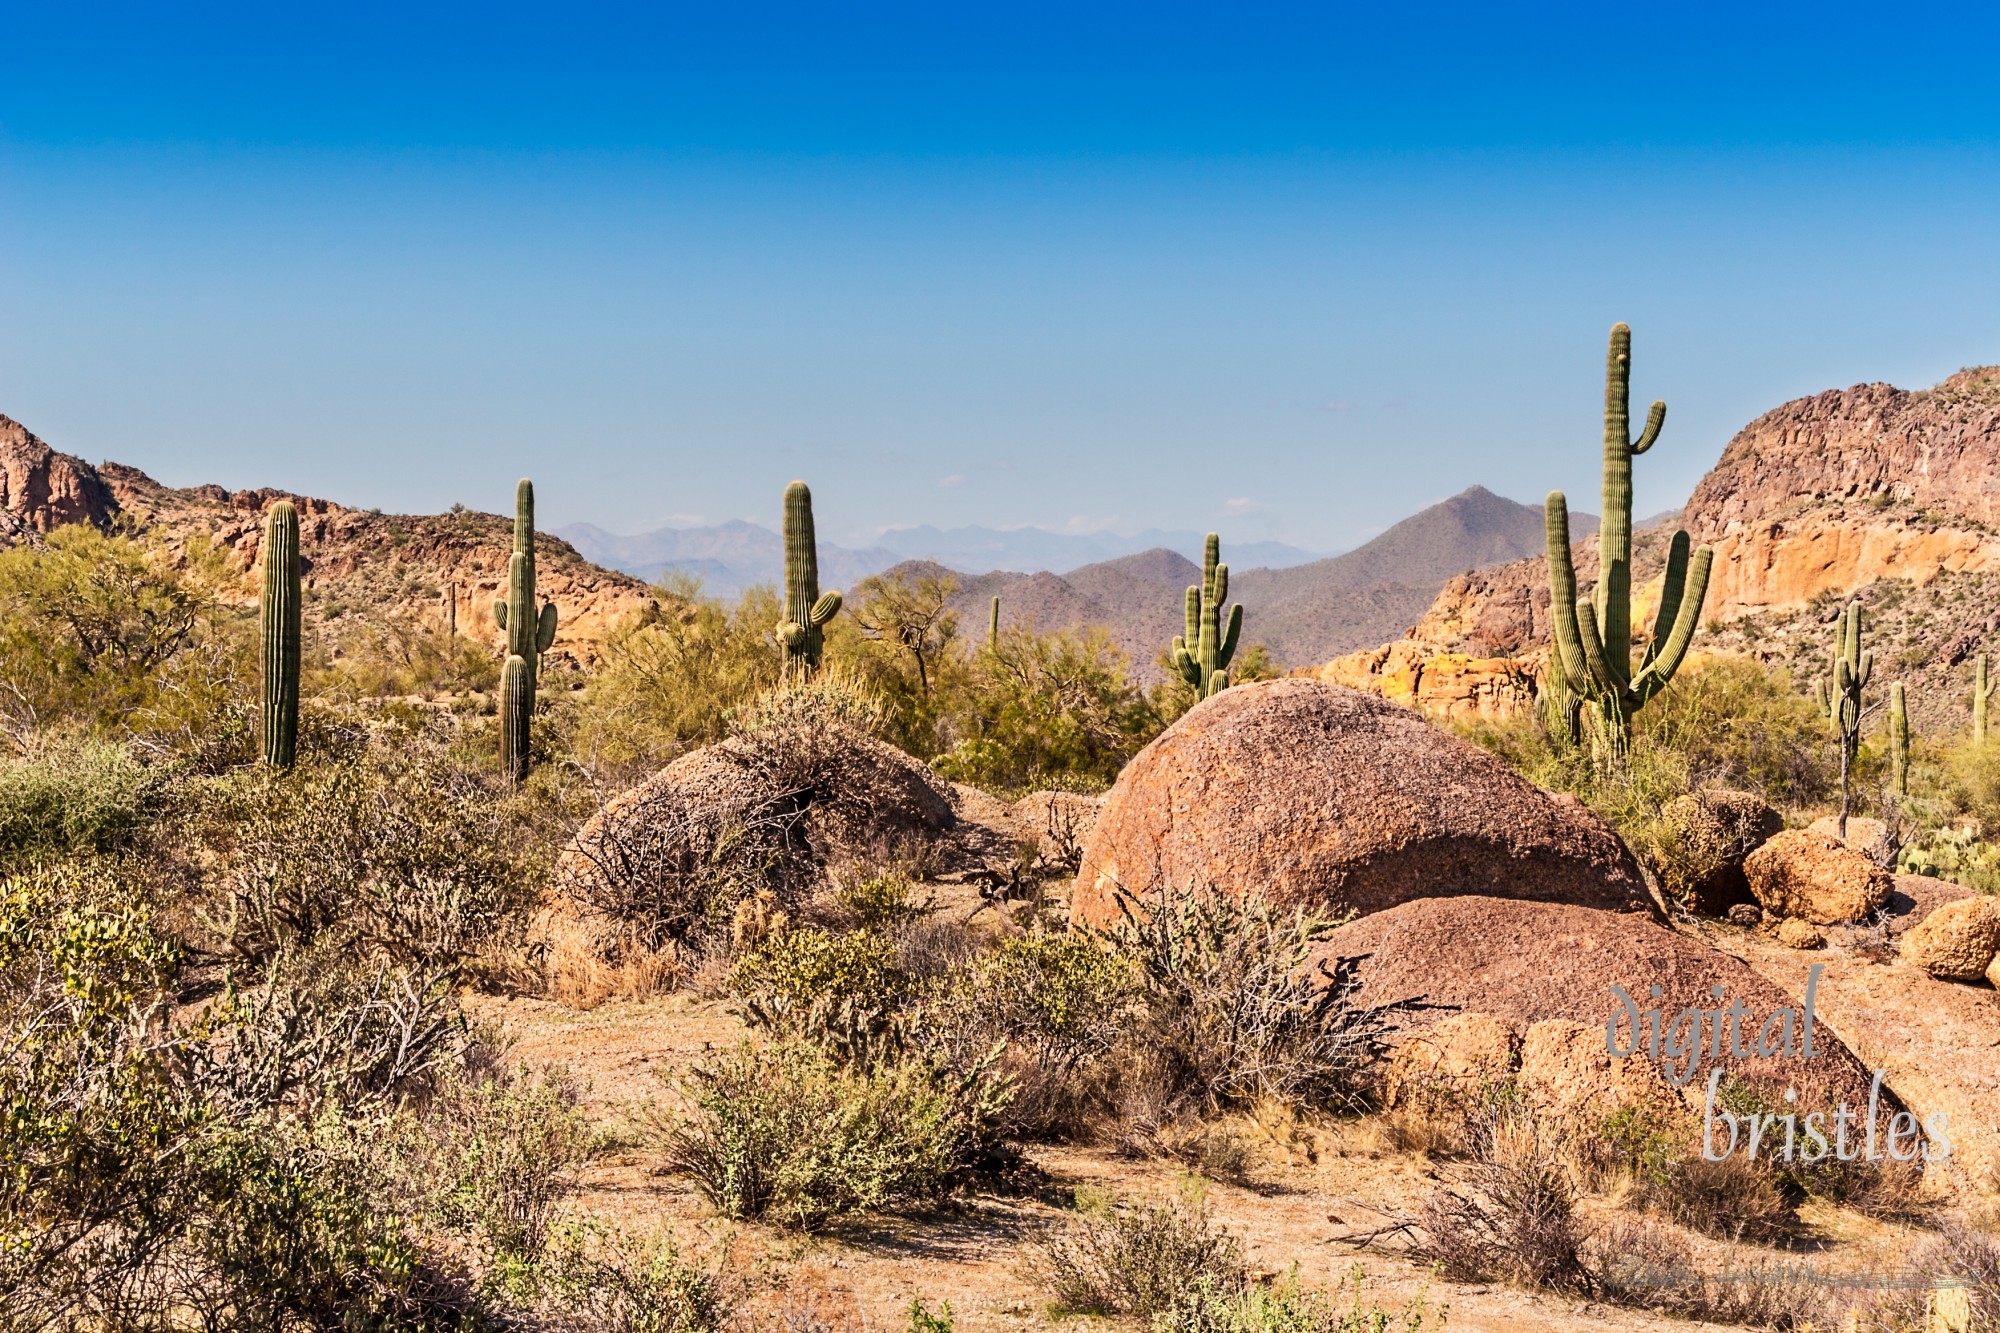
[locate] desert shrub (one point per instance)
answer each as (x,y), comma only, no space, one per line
(595,1280)
(789,1135)
(880,902)
(498,1155)
(1119,1258)
(1289,1306)
(1959,1256)
(70,797)
(388,846)
(842,992)
(1233,1006)
(1735,1198)
(1060,1002)
(1639,1263)
(1511,1216)
(133,1184)
(118,636)
(1046,710)
(676,676)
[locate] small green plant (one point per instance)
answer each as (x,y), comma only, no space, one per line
(925,1320)
(1114,1257)
(790,1136)
(1202,654)
(1291,1307)
(842,992)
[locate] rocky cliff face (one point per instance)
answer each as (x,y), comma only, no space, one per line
(393,569)
(1823,498)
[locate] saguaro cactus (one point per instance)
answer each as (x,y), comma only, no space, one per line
(1981,692)
(1899,740)
(1202,654)
(517,710)
(1594,640)
(993,630)
(1839,694)
(529,635)
(280,621)
(801,633)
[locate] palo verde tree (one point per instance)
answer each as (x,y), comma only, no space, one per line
(1593,641)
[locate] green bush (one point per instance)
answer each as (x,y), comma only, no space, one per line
(788,1135)
(1291,1307)
(72,797)
(843,992)
(1115,1258)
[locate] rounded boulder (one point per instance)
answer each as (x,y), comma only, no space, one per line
(1957,941)
(1315,794)
(1811,875)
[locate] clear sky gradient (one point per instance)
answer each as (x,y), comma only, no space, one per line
(1291,271)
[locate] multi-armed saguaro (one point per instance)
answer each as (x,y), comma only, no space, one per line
(801,632)
(529,634)
(1594,641)
(1839,694)
(1202,654)
(279,614)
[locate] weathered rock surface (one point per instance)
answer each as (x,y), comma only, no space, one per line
(1712,832)
(1567,1071)
(1449,685)
(43,489)
(1958,941)
(1915,897)
(1527,963)
(1455,1060)
(1794,933)
(1310,793)
(1811,875)
(1871,837)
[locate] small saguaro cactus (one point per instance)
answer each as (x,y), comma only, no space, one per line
(1594,641)
(1839,694)
(993,630)
(801,633)
(529,635)
(1202,654)
(280,614)
(1981,692)
(1899,740)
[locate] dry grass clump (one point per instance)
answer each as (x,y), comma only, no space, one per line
(1511,1215)
(1115,1257)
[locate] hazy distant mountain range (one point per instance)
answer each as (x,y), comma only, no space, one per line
(729,557)
(1305,613)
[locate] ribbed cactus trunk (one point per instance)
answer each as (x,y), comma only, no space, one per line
(1202,654)
(517,710)
(1592,643)
(1899,740)
(280,614)
(801,634)
(529,635)
(993,629)
(1981,692)
(1839,696)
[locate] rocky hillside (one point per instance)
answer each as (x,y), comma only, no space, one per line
(1877,492)
(400,569)
(1304,613)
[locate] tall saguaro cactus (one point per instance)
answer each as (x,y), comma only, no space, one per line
(1899,740)
(1594,640)
(280,615)
(993,629)
(1202,654)
(1981,692)
(530,632)
(802,632)
(1839,694)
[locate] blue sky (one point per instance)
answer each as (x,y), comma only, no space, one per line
(1288,271)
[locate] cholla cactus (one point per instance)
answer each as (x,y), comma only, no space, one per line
(801,632)
(1594,641)
(1202,654)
